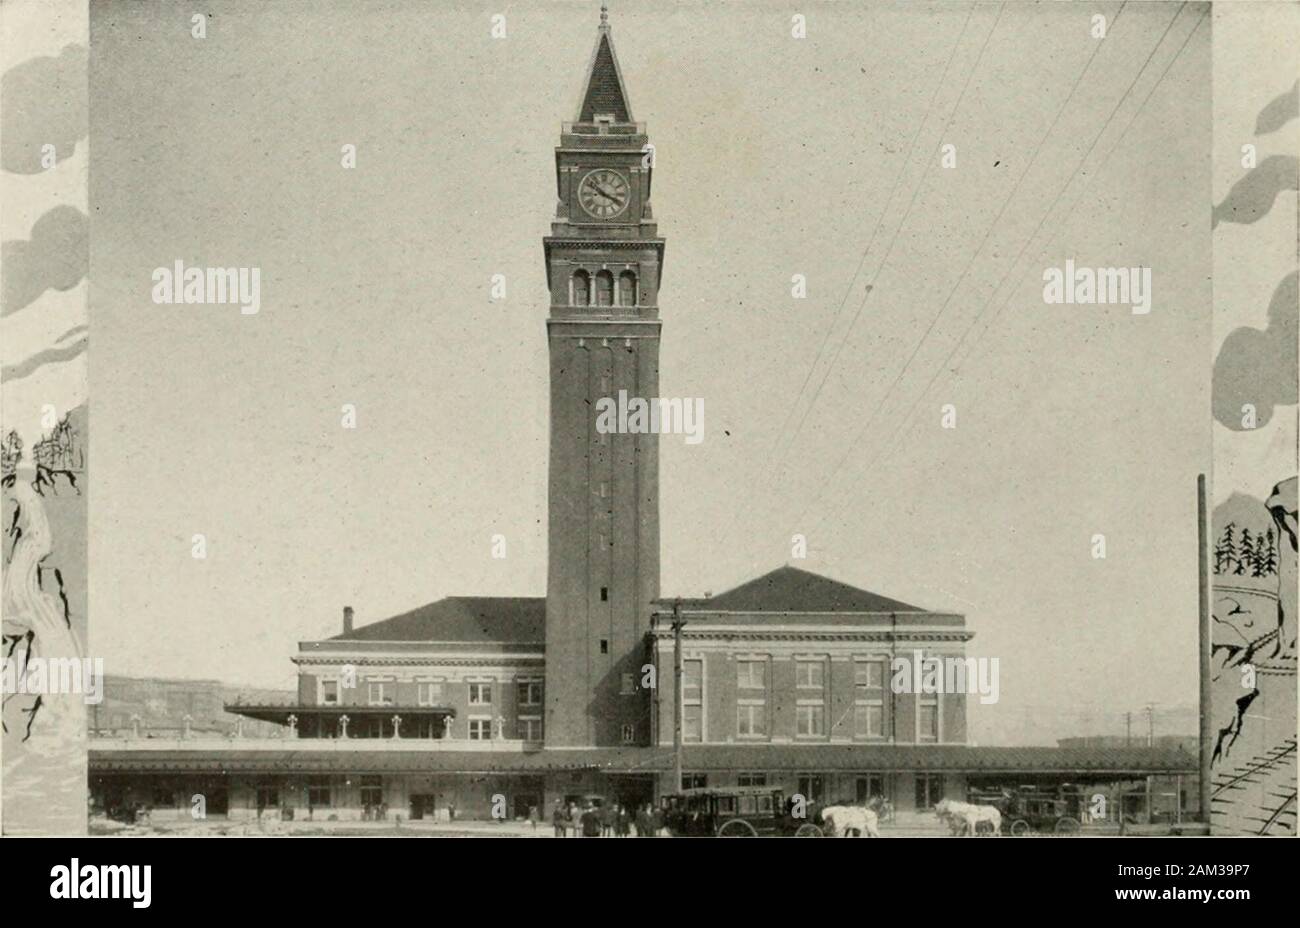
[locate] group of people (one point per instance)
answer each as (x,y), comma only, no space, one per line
(604,821)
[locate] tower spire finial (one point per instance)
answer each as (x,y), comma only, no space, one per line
(604,14)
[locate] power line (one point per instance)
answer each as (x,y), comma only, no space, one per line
(1069,181)
(1051,207)
(898,182)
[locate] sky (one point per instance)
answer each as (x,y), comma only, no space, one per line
(775,156)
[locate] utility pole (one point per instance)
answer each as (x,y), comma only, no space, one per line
(1151,725)
(1203,575)
(1128,729)
(678,623)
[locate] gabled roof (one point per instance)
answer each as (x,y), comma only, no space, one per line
(603,91)
(517,619)
(789,589)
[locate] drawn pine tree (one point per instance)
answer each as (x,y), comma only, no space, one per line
(1247,553)
(1268,560)
(1226,550)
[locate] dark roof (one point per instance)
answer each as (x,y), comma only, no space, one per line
(516,619)
(789,589)
(604,93)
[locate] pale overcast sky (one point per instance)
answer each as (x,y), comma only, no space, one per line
(775,156)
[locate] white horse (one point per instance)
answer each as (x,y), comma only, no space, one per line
(965,818)
(840,821)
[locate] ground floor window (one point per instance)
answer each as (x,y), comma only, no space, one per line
(268,796)
(372,790)
(929,790)
(751,779)
(695,780)
(812,786)
(480,729)
(318,793)
(867,785)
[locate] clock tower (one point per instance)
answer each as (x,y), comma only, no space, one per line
(603,261)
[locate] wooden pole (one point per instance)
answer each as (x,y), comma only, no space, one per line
(677,693)
(1203,574)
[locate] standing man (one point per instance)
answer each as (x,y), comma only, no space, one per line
(559,819)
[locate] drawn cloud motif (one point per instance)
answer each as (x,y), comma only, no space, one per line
(1252,197)
(54,258)
(1279,111)
(42,102)
(1259,367)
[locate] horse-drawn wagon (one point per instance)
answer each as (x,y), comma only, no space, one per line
(1026,811)
(738,812)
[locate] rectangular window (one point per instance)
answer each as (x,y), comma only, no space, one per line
(869,679)
(530,693)
(810,674)
(329,692)
(629,734)
(692,680)
(428,694)
(868,721)
(379,694)
(604,646)
(604,594)
(927,718)
(629,685)
(318,792)
(693,700)
(695,780)
(372,790)
(751,675)
(480,729)
(869,699)
(929,790)
(693,723)
(810,721)
(530,727)
(480,694)
(751,719)
(751,779)
(867,786)
(812,786)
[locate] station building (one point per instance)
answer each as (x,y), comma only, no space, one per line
(485,707)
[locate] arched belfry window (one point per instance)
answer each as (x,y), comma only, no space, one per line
(604,288)
(581,288)
(627,289)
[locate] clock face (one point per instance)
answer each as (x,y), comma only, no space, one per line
(603,193)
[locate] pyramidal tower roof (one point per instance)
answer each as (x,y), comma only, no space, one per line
(603,92)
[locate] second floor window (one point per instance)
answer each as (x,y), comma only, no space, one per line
(810,674)
(380,694)
(428,694)
(480,694)
(329,692)
(693,700)
(751,675)
(927,718)
(530,693)
(810,720)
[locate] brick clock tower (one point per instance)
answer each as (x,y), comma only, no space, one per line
(603,261)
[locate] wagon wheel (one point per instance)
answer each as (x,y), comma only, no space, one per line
(737,828)
(808,830)
(1020,828)
(1065,825)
